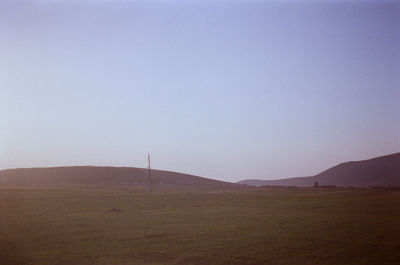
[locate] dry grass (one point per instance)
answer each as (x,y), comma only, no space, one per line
(262,226)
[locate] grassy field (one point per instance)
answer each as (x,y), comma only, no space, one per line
(251,226)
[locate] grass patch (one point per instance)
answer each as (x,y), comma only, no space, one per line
(254,226)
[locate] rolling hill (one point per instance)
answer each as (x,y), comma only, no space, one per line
(90,176)
(376,172)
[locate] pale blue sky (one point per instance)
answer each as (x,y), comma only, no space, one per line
(221,89)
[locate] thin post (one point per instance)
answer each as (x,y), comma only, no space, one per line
(148,159)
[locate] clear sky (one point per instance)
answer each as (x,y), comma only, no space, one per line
(221,89)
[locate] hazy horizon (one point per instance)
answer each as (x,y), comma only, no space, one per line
(219,89)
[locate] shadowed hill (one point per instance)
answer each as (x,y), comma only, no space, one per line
(380,171)
(102,176)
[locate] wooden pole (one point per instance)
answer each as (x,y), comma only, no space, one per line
(148,158)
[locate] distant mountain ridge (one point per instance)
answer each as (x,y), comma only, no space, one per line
(128,177)
(380,171)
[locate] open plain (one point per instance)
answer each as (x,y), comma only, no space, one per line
(216,226)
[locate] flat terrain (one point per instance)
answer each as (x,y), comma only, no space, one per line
(244,226)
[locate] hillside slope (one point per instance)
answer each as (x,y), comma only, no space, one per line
(101,176)
(379,171)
